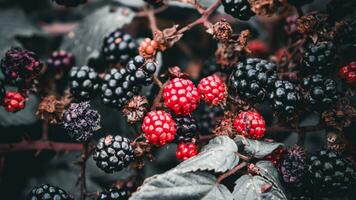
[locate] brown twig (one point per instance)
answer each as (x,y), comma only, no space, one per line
(157,100)
(152,21)
(84,157)
(39,146)
(231,172)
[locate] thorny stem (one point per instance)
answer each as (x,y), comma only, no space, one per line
(231,172)
(84,157)
(157,100)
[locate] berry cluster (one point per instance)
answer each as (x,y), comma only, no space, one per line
(120,85)
(148,48)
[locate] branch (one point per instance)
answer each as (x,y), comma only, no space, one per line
(157,100)
(39,146)
(231,172)
(152,21)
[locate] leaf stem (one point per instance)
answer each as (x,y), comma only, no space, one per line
(231,172)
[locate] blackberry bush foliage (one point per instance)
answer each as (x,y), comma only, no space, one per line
(137,100)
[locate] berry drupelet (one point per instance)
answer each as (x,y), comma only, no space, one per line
(348,72)
(320,57)
(60,61)
(250,124)
(186,151)
(80,121)
(113,153)
(286,99)
(20,66)
(159,127)
(70,3)
(212,90)
(240,9)
(46,192)
(252,79)
(187,129)
(148,48)
(119,47)
(330,174)
(120,85)
(114,193)
(83,83)
(321,92)
(14,102)
(181,96)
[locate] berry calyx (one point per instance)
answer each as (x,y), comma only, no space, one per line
(148,48)
(348,72)
(250,124)
(181,96)
(212,90)
(14,101)
(186,150)
(159,127)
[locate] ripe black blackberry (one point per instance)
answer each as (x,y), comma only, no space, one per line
(252,79)
(113,153)
(320,57)
(187,129)
(299,2)
(330,174)
(84,83)
(20,66)
(240,9)
(70,3)
(155,3)
(120,85)
(119,47)
(114,193)
(207,118)
(285,99)
(46,191)
(321,92)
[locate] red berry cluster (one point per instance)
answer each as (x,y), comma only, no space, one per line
(212,90)
(186,150)
(14,102)
(148,48)
(348,72)
(250,124)
(181,96)
(159,127)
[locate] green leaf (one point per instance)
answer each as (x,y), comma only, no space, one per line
(256,148)
(269,172)
(182,186)
(218,156)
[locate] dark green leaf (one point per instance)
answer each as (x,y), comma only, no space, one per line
(256,148)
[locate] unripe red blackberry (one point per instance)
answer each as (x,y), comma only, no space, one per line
(159,127)
(250,124)
(348,72)
(20,66)
(113,153)
(70,3)
(119,47)
(212,90)
(240,9)
(186,151)
(14,102)
(114,193)
(148,48)
(181,96)
(60,61)
(48,192)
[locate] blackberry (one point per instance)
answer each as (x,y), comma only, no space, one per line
(207,118)
(285,98)
(330,174)
(119,47)
(84,83)
(46,191)
(186,129)
(320,57)
(252,79)
(80,121)
(70,3)
(60,61)
(20,66)
(113,153)
(240,9)
(120,85)
(346,39)
(299,2)
(321,92)
(293,166)
(114,193)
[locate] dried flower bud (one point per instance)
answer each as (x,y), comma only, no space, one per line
(135,109)
(51,109)
(340,116)
(222,30)
(336,142)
